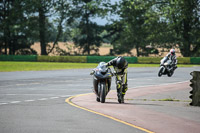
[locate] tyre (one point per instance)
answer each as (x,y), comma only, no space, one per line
(103,92)
(98,99)
(169,74)
(160,72)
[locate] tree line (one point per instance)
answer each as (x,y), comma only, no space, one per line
(140,24)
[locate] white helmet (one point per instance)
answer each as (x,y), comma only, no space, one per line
(172,51)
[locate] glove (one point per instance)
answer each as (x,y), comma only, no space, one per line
(106,64)
(111,73)
(114,73)
(91,73)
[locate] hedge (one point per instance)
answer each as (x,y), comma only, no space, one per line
(149,60)
(156,60)
(131,59)
(18,57)
(183,60)
(97,59)
(94,59)
(195,60)
(80,59)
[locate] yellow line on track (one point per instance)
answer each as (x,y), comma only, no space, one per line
(68,100)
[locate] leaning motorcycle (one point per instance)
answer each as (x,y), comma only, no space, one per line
(102,76)
(166,67)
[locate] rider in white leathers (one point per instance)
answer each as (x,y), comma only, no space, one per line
(172,56)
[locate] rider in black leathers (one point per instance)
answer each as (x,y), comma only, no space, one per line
(120,66)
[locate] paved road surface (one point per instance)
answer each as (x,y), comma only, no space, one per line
(34,101)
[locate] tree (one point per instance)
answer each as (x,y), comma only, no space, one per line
(159,23)
(14,34)
(183,24)
(89,32)
(135,24)
(187,25)
(44,10)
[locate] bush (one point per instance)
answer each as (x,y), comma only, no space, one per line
(131,59)
(97,59)
(74,59)
(195,60)
(149,60)
(183,60)
(18,58)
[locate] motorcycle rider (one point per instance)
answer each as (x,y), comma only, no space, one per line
(172,56)
(120,66)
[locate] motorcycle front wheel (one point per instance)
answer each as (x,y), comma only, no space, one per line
(102,92)
(98,99)
(160,72)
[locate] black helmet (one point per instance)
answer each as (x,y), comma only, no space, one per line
(120,62)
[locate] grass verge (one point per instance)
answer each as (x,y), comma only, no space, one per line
(8,66)
(39,66)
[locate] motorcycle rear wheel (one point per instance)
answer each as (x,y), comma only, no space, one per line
(170,74)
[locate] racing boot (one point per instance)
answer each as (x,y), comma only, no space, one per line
(122,98)
(119,96)
(125,88)
(118,90)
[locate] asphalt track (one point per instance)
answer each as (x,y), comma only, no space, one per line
(34,101)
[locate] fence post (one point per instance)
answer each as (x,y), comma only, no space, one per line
(195,84)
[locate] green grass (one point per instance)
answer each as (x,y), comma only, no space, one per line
(156,100)
(169,99)
(38,66)
(8,66)
(143,65)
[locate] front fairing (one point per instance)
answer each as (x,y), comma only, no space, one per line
(167,64)
(102,71)
(99,75)
(163,60)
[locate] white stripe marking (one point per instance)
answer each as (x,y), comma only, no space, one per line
(15,102)
(3,103)
(20,84)
(66,96)
(33,83)
(29,100)
(42,99)
(53,97)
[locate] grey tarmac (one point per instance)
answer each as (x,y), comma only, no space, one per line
(34,101)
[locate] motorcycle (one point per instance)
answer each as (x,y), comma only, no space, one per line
(102,76)
(166,67)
